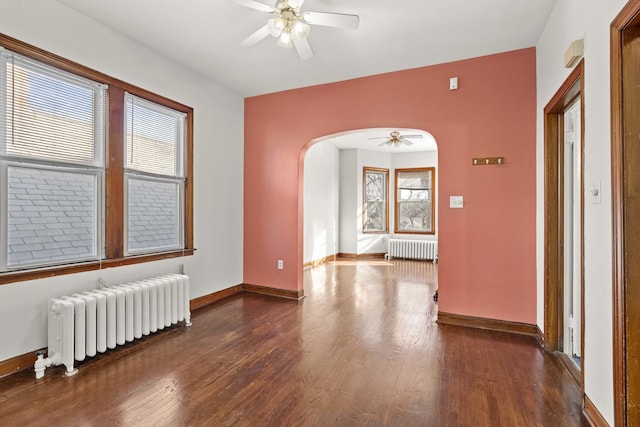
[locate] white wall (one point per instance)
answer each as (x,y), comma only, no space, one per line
(590,20)
(321,194)
(218,159)
(348,201)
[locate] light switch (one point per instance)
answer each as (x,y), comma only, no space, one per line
(456,202)
(453,83)
(594,192)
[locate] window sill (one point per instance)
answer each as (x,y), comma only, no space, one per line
(415,232)
(41,273)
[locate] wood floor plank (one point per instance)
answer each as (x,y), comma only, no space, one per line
(362,348)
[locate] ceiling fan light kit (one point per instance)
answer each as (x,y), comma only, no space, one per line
(276,26)
(291,27)
(300,29)
(285,39)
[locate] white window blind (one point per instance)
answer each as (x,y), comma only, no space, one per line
(50,114)
(154,138)
(414,181)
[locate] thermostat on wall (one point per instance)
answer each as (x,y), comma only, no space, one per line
(456,202)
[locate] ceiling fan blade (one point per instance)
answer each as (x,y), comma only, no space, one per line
(255,38)
(328,19)
(256,5)
(387,142)
(303,47)
(406,141)
(412,136)
(379,137)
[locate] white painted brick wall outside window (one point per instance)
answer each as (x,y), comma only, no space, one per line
(153,215)
(52,216)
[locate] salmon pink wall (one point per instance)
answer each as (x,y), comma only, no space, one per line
(487,249)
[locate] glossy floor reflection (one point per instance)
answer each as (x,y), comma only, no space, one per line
(362,348)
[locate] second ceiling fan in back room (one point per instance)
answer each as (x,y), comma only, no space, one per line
(291,26)
(395,139)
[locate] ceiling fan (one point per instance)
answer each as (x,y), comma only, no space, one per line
(291,26)
(395,139)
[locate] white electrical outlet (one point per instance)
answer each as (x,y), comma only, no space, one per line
(280,264)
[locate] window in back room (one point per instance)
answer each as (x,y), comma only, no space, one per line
(414,207)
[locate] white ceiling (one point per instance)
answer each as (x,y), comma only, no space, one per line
(205,36)
(361,139)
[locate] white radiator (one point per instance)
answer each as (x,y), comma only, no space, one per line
(82,325)
(413,249)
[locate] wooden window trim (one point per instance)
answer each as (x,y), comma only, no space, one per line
(396,209)
(114,169)
(366,169)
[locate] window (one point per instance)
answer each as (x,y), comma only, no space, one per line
(154,143)
(52,135)
(375,200)
(94,172)
(414,207)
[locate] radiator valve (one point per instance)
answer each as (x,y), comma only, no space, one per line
(41,364)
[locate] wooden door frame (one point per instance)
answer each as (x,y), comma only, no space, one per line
(571,90)
(627,17)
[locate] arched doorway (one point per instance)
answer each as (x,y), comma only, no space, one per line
(337,170)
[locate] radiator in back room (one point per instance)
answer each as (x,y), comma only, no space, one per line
(413,249)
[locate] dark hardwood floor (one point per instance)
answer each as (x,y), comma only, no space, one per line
(362,348)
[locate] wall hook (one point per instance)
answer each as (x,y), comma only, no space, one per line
(477,161)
